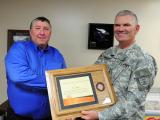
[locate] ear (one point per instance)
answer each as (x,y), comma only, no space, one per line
(30,31)
(137,27)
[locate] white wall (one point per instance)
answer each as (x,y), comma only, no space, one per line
(70,20)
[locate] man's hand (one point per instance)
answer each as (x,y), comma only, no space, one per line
(89,115)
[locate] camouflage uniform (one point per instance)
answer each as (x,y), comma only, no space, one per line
(132,72)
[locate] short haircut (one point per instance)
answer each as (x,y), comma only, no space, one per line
(43,19)
(127,12)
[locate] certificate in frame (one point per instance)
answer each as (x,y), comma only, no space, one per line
(76,90)
(72,90)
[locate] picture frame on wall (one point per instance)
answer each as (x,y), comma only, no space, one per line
(16,35)
(100,36)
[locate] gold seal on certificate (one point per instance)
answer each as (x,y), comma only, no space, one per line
(100,86)
(72,90)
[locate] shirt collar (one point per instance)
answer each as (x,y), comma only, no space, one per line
(36,47)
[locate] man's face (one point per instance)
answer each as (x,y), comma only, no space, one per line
(40,33)
(125,28)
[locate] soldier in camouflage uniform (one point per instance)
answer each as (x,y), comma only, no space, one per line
(131,69)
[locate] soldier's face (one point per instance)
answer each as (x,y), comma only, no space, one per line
(40,33)
(125,28)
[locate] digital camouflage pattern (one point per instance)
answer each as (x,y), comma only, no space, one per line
(132,72)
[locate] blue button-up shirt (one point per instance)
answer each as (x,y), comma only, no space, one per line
(25,69)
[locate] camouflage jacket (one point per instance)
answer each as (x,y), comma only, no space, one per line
(132,72)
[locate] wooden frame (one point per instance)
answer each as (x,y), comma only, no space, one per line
(68,81)
(16,35)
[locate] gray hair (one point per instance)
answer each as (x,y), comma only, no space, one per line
(43,19)
(127,12)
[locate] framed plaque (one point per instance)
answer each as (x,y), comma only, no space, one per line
(72,90)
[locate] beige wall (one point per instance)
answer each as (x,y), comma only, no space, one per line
(70,20)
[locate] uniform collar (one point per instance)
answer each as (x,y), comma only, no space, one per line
(121,54)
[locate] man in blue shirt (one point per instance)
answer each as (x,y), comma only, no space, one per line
(26,63)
